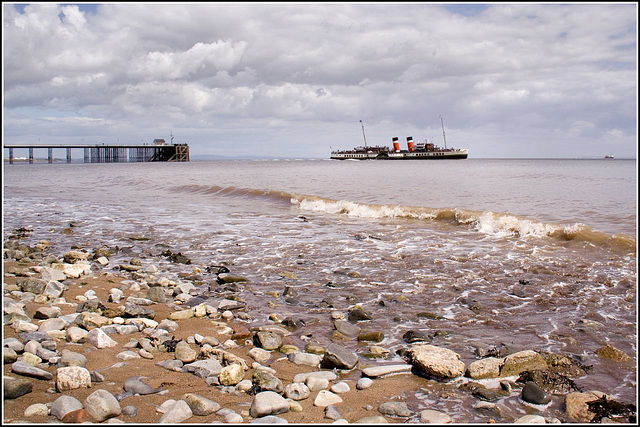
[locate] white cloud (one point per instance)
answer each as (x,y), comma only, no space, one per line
(505,69)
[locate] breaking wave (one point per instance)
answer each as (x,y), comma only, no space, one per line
(499,225)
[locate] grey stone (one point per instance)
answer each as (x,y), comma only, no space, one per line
(307,359)
(16,387)
(396,409)
(63,405)
(532,393)
(27,370)
(332,413)
(200,405)
(130,411)
(71,358)
(347,328)
(268,340)
(54,289)
(297,391)
(339,357)
(211,366)
(35,286)
(178,413)
(171,365)
(268,403)
(47,312)
(135,385)
(364,383)
(266,381)
(9,355)
(102,405)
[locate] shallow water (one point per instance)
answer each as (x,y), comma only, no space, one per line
(538,254)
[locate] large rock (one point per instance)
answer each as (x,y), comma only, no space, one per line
(485,368)
(102,405)
(64,405)
(437,362)
(185,353)
(347,328)
(266,381)
(231,374)
(72,377)
(268,340)
(527,360)
(339,357)
(576,407)
(268,403)
(16,387)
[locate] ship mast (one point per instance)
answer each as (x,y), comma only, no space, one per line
(443,137)
(363,135)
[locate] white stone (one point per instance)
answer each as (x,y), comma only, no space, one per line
(341,387)
(326,398)
(99,339)
(37,410)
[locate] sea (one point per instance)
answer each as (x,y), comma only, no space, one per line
(525,253)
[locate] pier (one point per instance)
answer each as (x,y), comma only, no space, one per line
(101,153)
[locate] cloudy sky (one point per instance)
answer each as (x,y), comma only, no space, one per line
(294,80)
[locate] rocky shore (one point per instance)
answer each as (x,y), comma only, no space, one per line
(86,340)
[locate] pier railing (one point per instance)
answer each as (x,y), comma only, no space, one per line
(111,153)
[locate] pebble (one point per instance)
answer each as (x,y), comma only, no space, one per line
(178,413)
(326,398)
(364,383)
(378,371)
(36,410)
(268,403)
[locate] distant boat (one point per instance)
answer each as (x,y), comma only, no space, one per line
(425,150)
(609,156)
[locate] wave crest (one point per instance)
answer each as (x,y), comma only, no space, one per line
(497,225)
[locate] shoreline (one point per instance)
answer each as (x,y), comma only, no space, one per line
(95,296)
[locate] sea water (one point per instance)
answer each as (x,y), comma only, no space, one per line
(534,254)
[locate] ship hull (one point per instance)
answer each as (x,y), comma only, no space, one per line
(413,155)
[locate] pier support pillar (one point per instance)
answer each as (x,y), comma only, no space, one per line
(50,156)
(68,155)
(30,155)
(10,156)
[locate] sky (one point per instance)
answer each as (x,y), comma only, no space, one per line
(523,80)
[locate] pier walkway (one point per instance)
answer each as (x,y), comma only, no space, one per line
(101,153)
